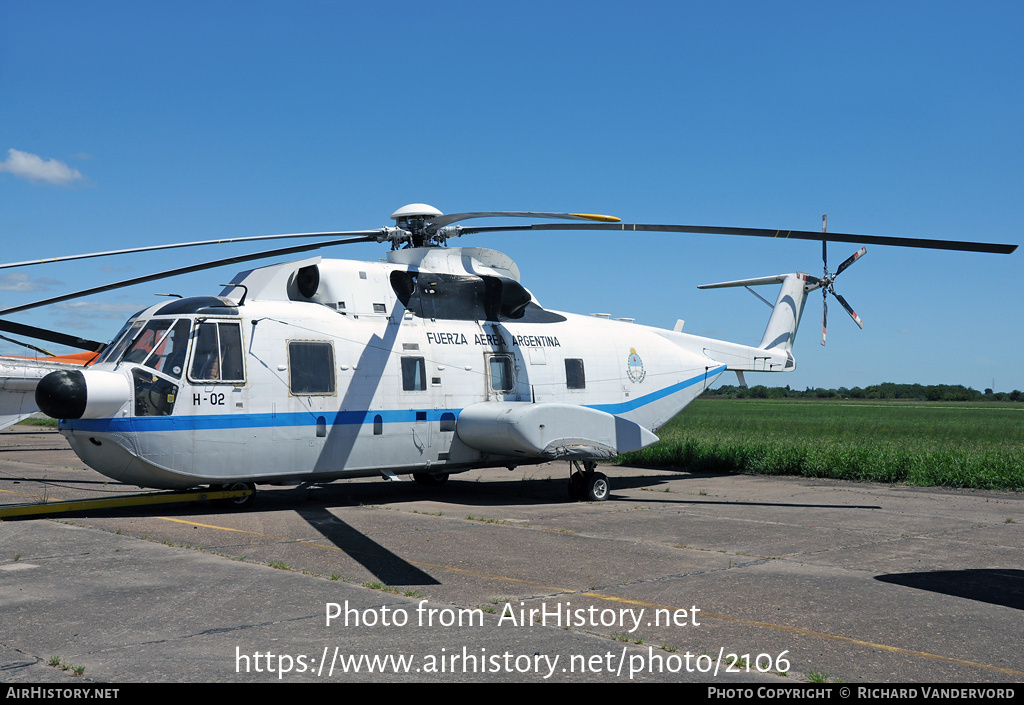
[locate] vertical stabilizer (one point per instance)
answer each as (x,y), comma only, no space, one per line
(786,312)
(785,318)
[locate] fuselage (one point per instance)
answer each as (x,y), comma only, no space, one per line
(364,370)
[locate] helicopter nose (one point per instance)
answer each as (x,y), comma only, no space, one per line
(76,394)
(62,394)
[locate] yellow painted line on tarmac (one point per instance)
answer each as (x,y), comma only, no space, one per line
(282,539)
(611,598)
(820,635)
(486,576)
(222,528)
(860,642)
(23,494)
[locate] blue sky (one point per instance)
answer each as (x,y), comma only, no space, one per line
(144,123)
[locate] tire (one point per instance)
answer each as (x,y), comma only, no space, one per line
(598,489)
(429,479)
(237,503)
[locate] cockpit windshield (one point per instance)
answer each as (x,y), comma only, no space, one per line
(159,344)
(113,352)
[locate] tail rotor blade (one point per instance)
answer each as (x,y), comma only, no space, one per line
(824,318)
(850,260)
(849,310)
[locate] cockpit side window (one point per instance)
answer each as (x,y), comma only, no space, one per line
(217,353)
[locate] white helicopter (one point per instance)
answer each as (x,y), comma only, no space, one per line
(434,362)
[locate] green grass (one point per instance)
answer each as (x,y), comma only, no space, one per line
(38,421)
(950,444)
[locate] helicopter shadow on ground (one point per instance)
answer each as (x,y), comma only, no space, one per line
(386,566)
(996,586)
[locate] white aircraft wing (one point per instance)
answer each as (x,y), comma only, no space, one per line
(18,379)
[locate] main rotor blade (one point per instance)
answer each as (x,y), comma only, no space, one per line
(186,270)
(72,341)
(443,220)
(27,345)
(851,259)
(960,245)
(197,243)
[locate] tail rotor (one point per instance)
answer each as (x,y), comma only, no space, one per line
(826,284)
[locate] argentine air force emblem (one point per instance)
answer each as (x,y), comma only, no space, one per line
(635,367)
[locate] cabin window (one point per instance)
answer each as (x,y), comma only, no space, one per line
(217,352)
(414,374)
(310,367)
(574,376)
(447,422)
(378,425)
(501,374)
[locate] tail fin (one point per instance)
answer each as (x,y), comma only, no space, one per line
(789,306)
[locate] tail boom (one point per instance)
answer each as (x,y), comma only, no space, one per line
(774,352)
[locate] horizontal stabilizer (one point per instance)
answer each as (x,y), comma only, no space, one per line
(522,429)
(756,281)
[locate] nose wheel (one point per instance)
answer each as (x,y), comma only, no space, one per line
(586,484)
(430,479)
(236,502)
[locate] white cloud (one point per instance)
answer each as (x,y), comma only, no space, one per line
(35,168)
(99,308)
(17,281)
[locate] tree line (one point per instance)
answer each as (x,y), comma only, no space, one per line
(886,390)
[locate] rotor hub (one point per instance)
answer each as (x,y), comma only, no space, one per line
(415,218)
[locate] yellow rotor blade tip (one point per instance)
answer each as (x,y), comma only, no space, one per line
(598,217)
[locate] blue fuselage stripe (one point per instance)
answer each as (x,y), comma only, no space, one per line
(627,406)
(198,422)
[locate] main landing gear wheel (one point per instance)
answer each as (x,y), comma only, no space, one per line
(586,484)
(430,479)
(598,488)
(237,503)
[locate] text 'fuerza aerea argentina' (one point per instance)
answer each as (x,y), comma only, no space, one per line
(494,340)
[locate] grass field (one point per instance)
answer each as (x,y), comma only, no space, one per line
(950,444)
